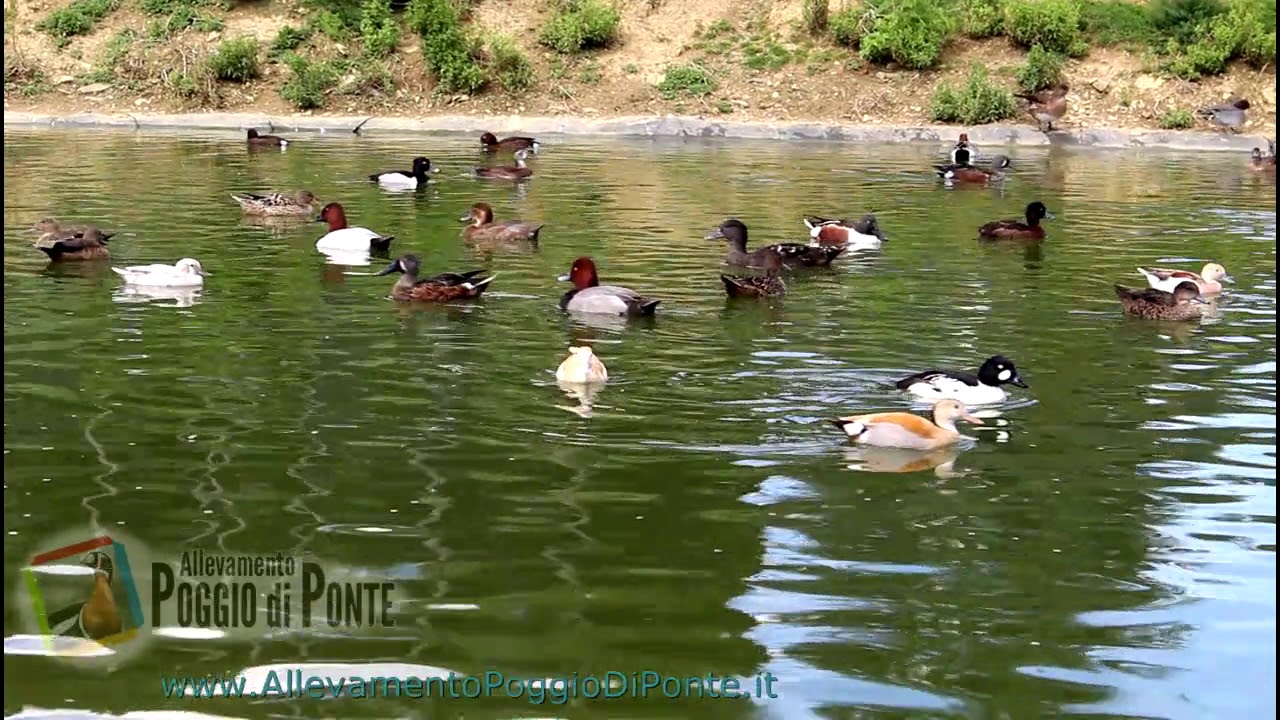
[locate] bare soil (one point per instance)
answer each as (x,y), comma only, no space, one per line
(817,82)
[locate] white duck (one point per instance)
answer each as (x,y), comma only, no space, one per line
(184,273)
(583,367)
(342,238)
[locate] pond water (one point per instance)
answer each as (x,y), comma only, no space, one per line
(1103,547)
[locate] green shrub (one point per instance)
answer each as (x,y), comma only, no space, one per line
(815,15)
(1053,24)
(448,51)
(977,102)
(235,60)
(1208,57)
(770,57)
(379,31)
(77,18)
(1183,19)
(911,33)
(1245,30)
(308,82)
(331,25)
(371,78)
(1116,22)
(691,80)
(287,40)
(1177,119)
(981,18)
(1042,71)
(509,65)
(847,26)
(579,25)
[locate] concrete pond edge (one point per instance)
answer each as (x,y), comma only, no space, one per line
(655,127)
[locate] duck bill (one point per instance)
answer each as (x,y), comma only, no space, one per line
(972,419)
(716,234)
(392,268)
(1228,280)
(563,278)
(1017,381)
(1049,215)
(465,218)
(1200,299)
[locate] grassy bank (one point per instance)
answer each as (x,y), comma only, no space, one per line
(1129,64)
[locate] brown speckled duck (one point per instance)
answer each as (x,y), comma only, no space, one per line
(296,204)
(80,242)
(1184,303)
(792,255)
(483,228)
(440,288)
(759,286)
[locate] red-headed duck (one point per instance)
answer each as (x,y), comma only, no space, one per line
(589,296)
(483,228)
(1228,116)
(964,153)
(490,143)
(343,238)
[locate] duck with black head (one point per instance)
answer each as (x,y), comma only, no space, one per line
(490,143)
(792,255)
(1017,229)
(439,288)
(758,286)
(980,388)
(1184,303)
(589,296)
(406,179)
(519,171)
(98,616)
(483,228)
(255,140)
(343,238)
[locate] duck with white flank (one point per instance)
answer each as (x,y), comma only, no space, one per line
(589,296)
(406,179)
(980,389)
(861,234)
(907,430)
(342,238)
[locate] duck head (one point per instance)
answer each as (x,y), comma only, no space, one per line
(1188,291)
(407,264)
(304,197)
(46,225)
(1241,104)
(999,370)
(334,215)
(190,266)
(480,214)
(582,274)
(422,166)
(1036,212)
(733,230)
(253,133)
(868,225)
(947,412)
(488,139)
(1213,272)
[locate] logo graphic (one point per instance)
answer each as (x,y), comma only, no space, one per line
(94,613)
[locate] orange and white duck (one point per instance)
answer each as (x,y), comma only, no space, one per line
(1209,280)
(906,430)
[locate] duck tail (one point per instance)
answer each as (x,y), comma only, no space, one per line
(119,272)
(105,236)
(849,427)
(649,307)
(382,243)
(53,251)
(1123,292)
(480,285)
(374,177)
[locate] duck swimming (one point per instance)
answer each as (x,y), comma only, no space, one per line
(256,140)
(971,389)
(792,255)
(300,203)
(490,143)
(1016,229)
(582,367)
(509,172)
(439,288)
(343,238)
(1209,281)
(589,296)
(1262,163)
(483,227)
(406,179)
(182,274)
(907,430)
(861,234)
(965,173)
(84,243)
(1184,303)
(964,153)
(768,285)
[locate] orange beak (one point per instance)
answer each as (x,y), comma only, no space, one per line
(972,419)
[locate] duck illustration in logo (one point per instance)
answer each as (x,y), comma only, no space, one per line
(97,617)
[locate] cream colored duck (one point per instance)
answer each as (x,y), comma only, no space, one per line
(1209,280)
(905,430)
(184,273)
(582,367)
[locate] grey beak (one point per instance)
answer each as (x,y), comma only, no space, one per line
(562,278)
(1050,216)
(716,234)
(435,168)
(1228,280)
(1017,381)
(465,218)
(393,267)
(1200,299)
